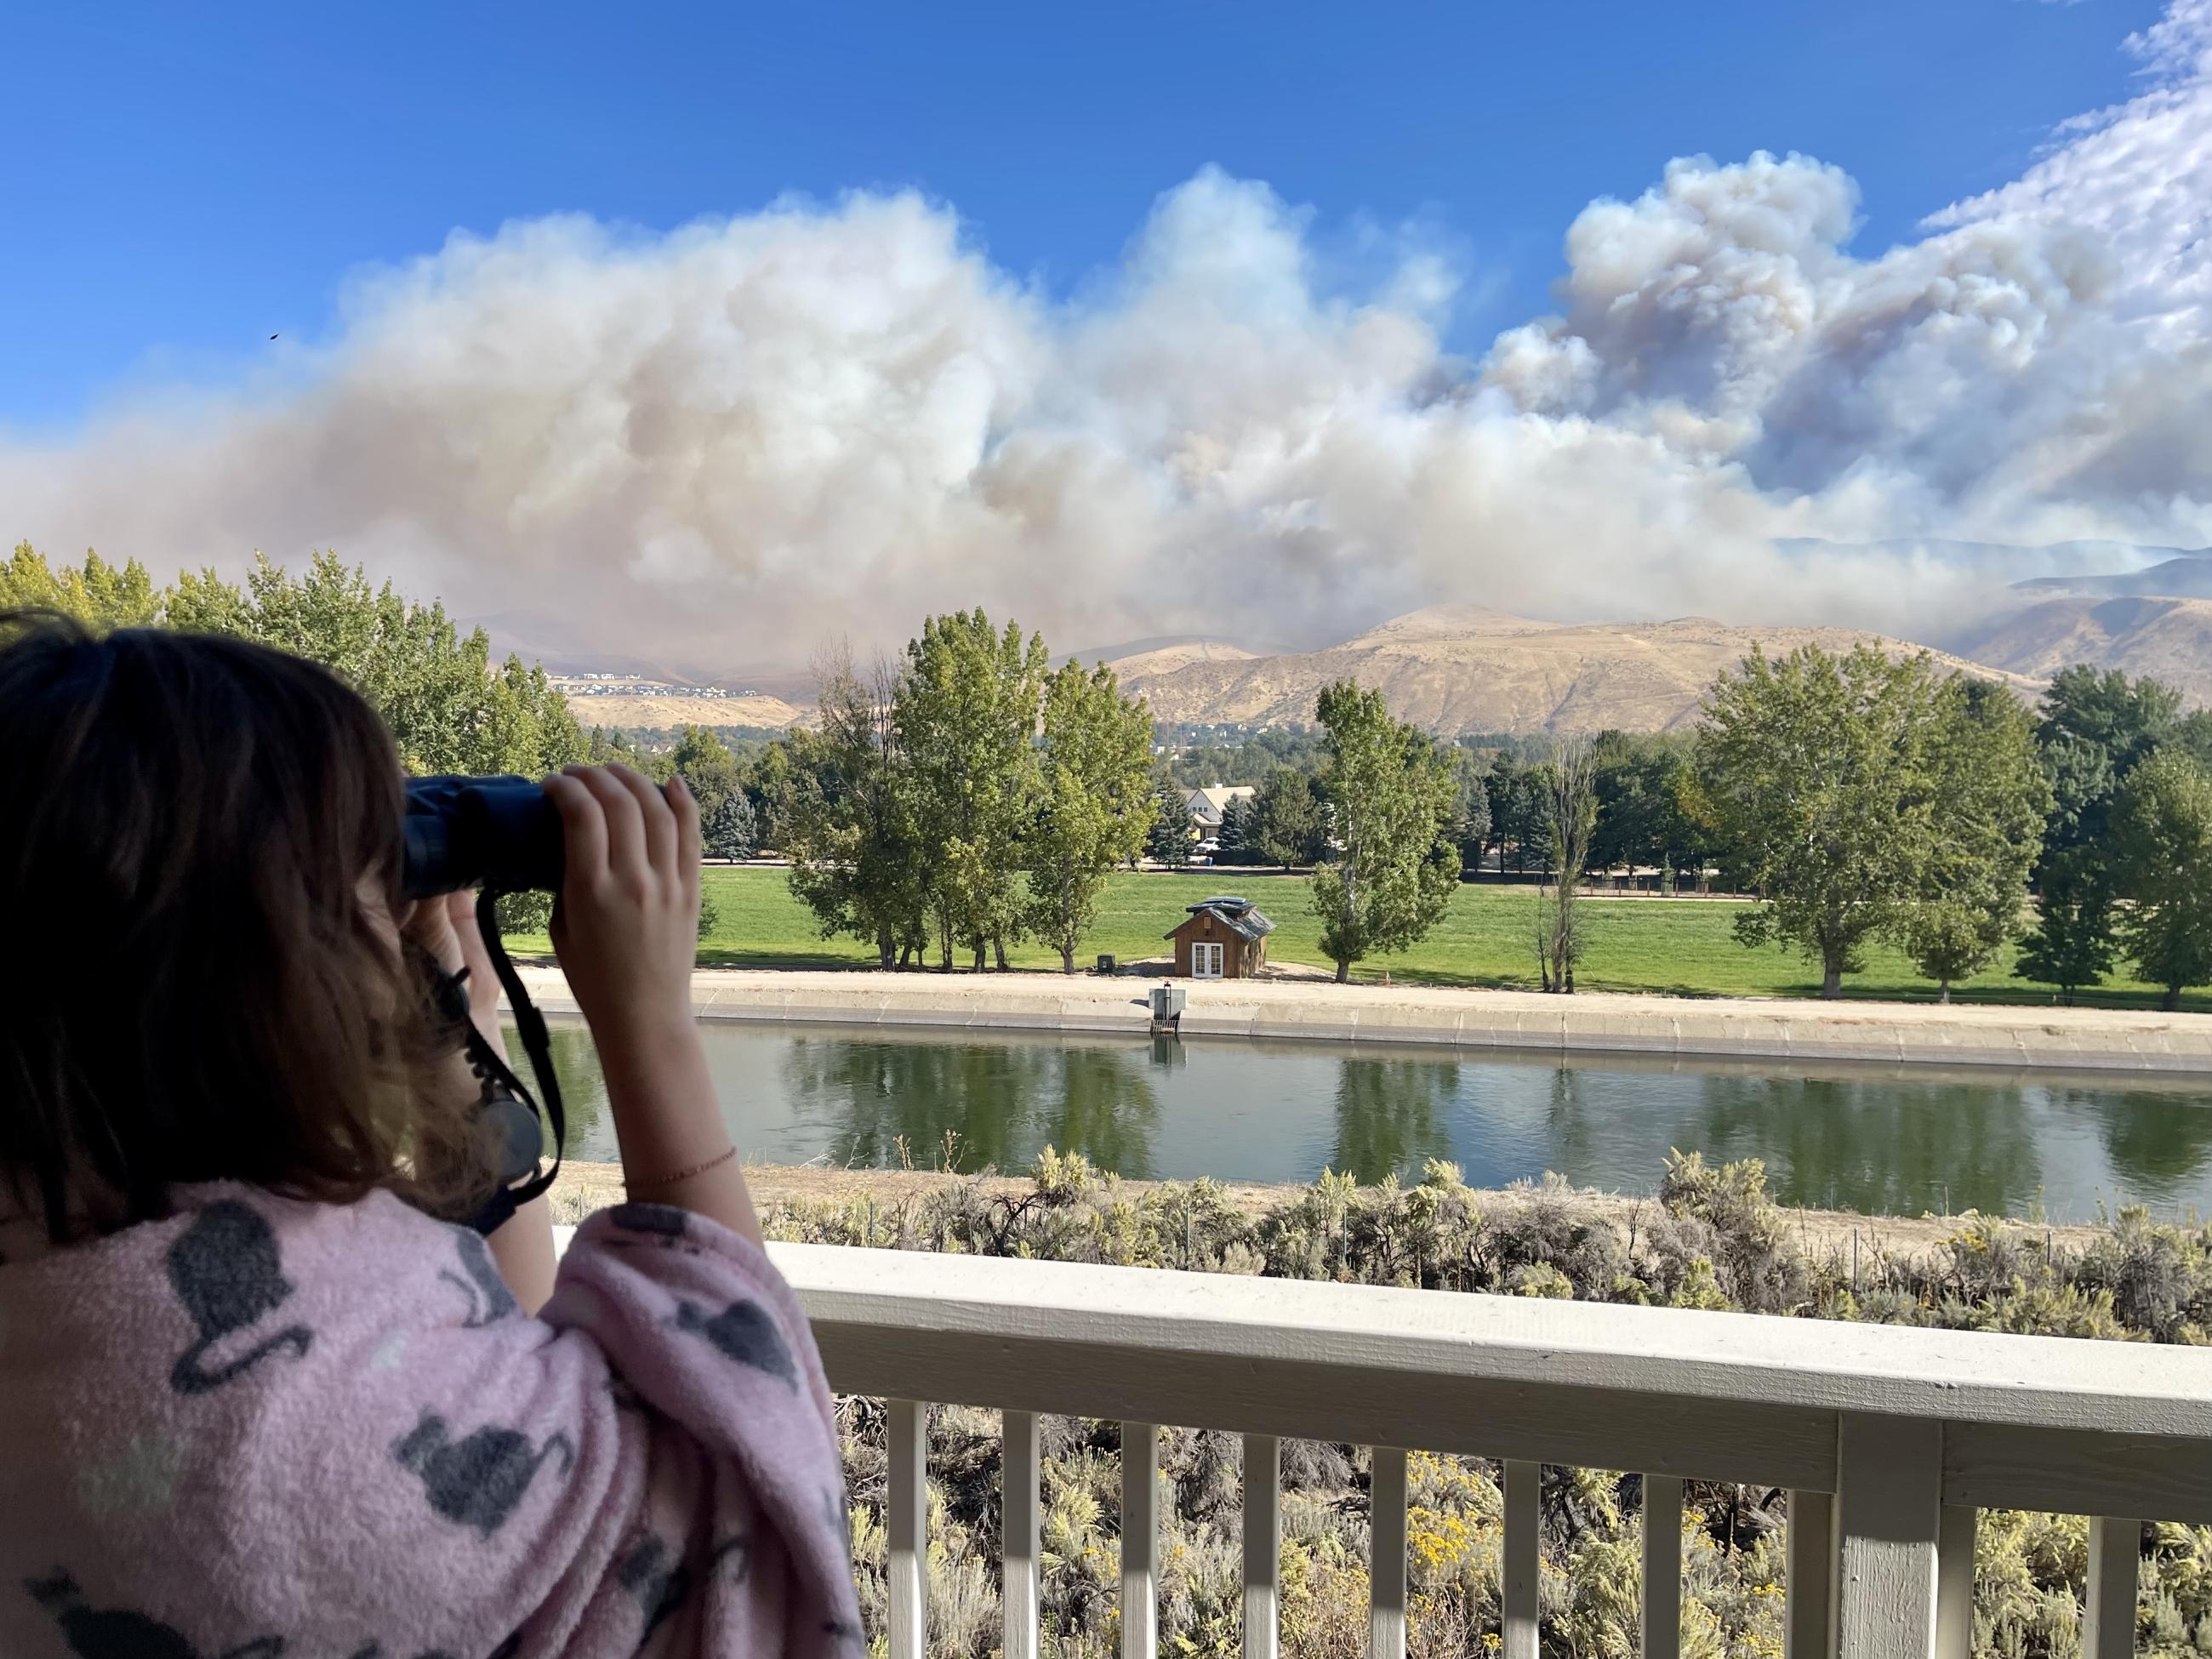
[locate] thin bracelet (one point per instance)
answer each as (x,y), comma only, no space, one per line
(714,1163)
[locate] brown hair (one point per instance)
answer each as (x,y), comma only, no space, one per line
(192,987)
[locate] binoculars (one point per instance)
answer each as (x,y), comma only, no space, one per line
(497,833)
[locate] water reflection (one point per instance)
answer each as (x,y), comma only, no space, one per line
(576,1069)
(975,1106)
(1886,1145)
(1880,1140)
(2149,1142)
(1390,1115)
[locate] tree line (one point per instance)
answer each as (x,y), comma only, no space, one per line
(1868,798)
(1860,797)
(963,795)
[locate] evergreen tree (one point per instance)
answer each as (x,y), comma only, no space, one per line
(1168,841)
(1288,820)
(1237,841)
(2097,727)
(1471,814)
(710,771)
(1097,801)
(1393,868)
(1639,781)
(1515,795)
(2073,945)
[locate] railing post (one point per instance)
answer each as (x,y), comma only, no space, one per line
(1521,1560)
(1263,1543)
(1808,1629)
(1955,1583)
(908,1526)
(1019,1508)
(1386,1566)
(1661,1619)
(1888,1510)
(1140,1541)
(2108,1623)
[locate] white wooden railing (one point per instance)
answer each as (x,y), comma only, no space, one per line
(1887,1440)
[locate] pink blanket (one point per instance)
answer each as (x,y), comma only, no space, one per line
(269,1430)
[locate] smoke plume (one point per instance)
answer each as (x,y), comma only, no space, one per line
(716,446)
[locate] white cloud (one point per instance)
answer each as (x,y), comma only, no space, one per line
(721,444)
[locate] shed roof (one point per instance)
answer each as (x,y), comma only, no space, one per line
(1234,912)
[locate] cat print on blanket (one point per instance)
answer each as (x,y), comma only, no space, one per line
(660,1585)
(226,1269)
(478,1479)
(744,1331)
(118,1633)
(488,1298)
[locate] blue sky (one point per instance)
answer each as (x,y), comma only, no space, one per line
(178,184)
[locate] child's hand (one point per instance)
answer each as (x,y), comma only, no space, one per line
(626,924)
(445,929)
(627,929)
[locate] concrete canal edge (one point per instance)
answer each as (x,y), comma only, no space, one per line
(2012,1036)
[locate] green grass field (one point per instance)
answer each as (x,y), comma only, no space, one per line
(1679,946)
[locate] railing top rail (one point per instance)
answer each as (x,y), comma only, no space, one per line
(1401,1336)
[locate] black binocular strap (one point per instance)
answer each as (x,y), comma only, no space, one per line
(491,1064)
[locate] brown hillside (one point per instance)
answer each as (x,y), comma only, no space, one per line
(667,711)
(1459,669)
(1169,658)
(2168,639)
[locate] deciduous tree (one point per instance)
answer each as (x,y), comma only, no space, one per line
(1098,800)
(1815,768)
(845,809)
(1569,818)
(1989,797)
(966,712)
(448,706)
(1393,868)
(96,592)
(2163,847)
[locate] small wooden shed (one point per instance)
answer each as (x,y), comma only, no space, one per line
(1223,938)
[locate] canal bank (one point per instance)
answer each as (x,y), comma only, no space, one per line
(788,1191)
(2010,1036)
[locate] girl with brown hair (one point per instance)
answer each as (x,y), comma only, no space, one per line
(262,1395)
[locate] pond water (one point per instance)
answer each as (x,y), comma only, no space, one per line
(1878,1139)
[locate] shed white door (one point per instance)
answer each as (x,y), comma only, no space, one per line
(1205,962)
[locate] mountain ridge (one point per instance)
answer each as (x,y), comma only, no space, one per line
(1457,670)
